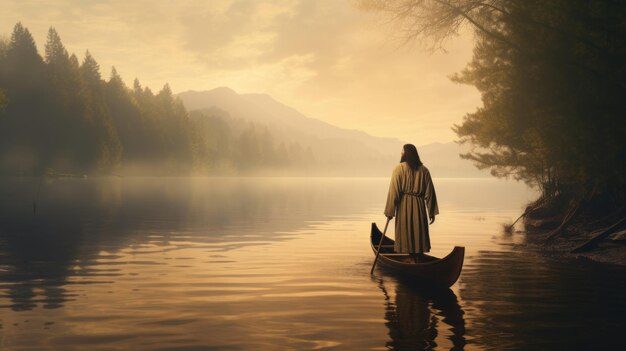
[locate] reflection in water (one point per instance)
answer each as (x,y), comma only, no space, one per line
(415,315)
(521,301)
(80,222)
(278,264)
(36,258)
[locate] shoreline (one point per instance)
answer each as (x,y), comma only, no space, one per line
(611,250)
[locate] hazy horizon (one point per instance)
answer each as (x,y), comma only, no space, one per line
(327,59)
(231,174)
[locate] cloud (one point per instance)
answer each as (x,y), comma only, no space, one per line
(324,57)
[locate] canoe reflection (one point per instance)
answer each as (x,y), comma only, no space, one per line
(422,319)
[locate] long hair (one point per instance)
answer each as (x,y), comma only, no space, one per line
(411,156)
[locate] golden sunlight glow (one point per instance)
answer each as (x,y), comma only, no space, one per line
(328,59)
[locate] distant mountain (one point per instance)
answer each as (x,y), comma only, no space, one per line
(262,108)
(337,151)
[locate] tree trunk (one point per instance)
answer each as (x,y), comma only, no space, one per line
(566,220)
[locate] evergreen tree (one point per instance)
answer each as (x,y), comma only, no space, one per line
(108,147)
(23,128)
(56,54)
(125,114)
(60,113)
(72,144)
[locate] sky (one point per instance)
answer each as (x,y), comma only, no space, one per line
(329,59)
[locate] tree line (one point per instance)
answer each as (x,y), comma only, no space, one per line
(59,113)
(552,75)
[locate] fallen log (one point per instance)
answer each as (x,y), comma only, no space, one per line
(591,243)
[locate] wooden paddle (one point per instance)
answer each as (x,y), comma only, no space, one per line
(379,245)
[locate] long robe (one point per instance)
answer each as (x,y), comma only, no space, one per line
(411,194)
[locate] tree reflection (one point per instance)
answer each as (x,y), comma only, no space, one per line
(529,302)
(419,318)
(78,222)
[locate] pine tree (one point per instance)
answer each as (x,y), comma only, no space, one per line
(21,76)
(56,54)
(137,89)
(90,71)
(22,48)
(22,67)
(107,146)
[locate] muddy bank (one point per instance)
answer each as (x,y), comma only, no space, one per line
(546,235)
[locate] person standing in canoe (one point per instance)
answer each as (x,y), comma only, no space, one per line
(412,200)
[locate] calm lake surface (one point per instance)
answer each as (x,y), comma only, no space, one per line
(280,264)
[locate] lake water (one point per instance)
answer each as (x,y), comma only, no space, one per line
(280,264)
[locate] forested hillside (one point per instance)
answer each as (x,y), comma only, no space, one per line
(226,145)
(337,151)
(58,113)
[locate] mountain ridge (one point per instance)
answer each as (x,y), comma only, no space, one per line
(339,150)
(190,100)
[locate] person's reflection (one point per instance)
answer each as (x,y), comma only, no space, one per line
(414,319)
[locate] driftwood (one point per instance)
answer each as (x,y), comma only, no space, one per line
(527,211)
(508,228)
(591,243)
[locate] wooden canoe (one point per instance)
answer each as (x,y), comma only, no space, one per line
(439,271)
